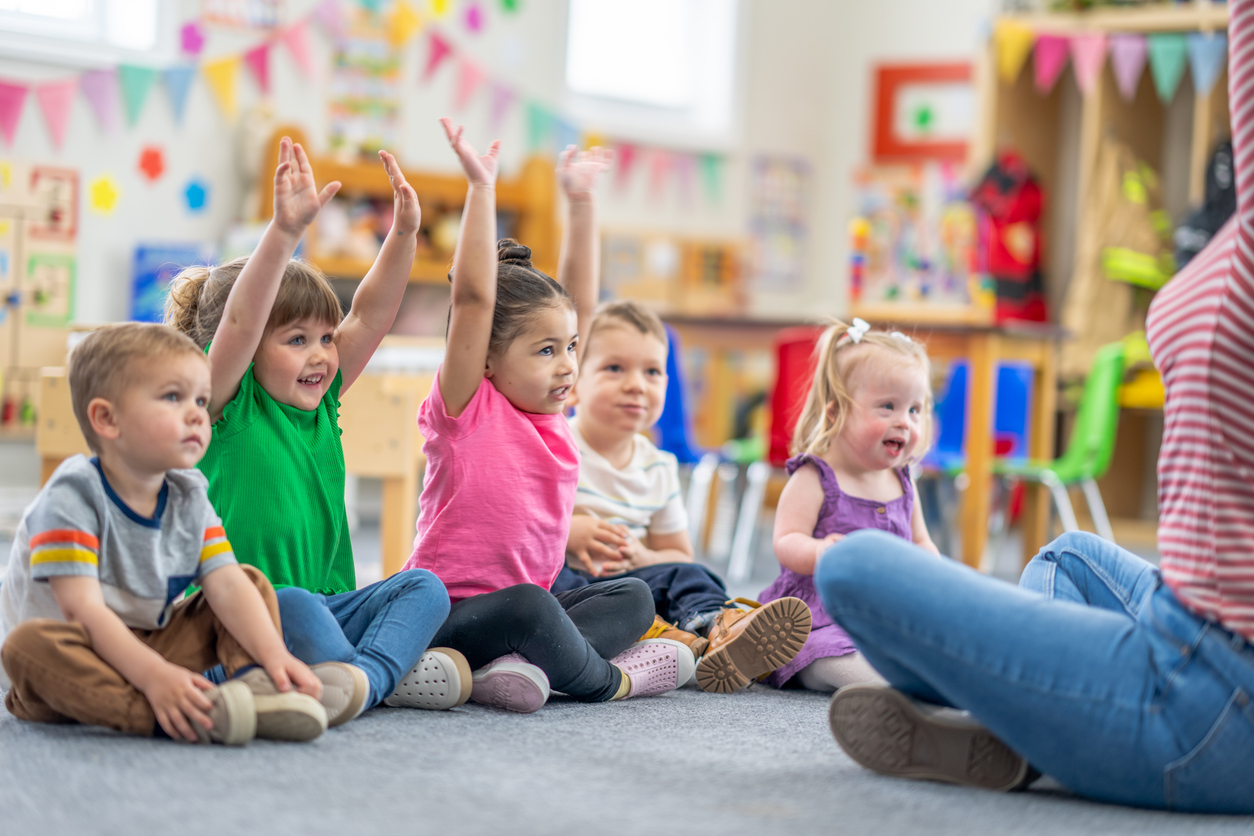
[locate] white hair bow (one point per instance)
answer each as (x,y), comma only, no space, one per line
(858,330)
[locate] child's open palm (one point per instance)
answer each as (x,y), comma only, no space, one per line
(297,200)
(480,169)
(406,214)
(578,171)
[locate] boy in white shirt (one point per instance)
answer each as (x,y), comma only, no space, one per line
(629,516)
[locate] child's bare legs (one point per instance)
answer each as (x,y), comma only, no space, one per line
(835,672)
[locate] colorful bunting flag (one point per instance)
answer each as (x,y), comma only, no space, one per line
(1051,56)
(221,77)
(258,60)
(135,82)
(298,44)
(626,154)
(1013,42)
(403,22)
(101,89)
(539,127)
(440,49)
(178,81)
(510,6)
(12,97)
(192,37)
(330,15)
(1207,54)
(1088,56)
(55,99)
(469,77)
(659,168)
(1127,59)
(1168,52)
(566,134)
(474,18)
(502,98)
(439,8)
(685,167)
(711,176)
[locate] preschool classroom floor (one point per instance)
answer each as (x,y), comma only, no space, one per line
(686,762)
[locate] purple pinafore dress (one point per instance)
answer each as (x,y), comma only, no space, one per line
(839,514)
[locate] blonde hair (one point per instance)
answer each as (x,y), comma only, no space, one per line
(198,298)
(629,313)
(839,361)
(107,361)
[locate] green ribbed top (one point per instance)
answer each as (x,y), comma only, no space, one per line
(276,477)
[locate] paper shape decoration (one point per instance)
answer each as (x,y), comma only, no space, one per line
(1168,52)
(403,22)
(101,89)
(469,77)
(12,97)
(196,194)
(440,49)
(439,8)
(566,134)
(135,83)
(1127,59)
(539,126)
(177,82)
(55,99)
(103,194)
(626,153)
(1088,56)
(258,60)
(192,38)
(510,6)
(298,44)
(152,162)
(502,98)
(659,169)
(1206,59)
(371,6)
(712,176)
(331,16)
(685,170)
(221,77)
(1051,56)
(474,18)
(1013,42)
(6,180)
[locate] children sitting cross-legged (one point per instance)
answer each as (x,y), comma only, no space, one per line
(630,520)
(90,615)
(283,354)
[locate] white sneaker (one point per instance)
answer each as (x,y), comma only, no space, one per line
(655,666)
(512,683)
(440,680)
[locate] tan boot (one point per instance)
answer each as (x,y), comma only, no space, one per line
(665,630)
(747,644)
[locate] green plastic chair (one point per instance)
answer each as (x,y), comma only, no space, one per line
(1092,445)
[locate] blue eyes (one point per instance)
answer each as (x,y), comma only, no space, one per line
(547,351)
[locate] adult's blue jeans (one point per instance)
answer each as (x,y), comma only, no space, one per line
(383,628)
(1092,670)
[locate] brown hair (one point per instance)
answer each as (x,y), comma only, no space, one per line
(839,361)
(198,298)
(629,313)
(106,362)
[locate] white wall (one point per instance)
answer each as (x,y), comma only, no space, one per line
(806,65)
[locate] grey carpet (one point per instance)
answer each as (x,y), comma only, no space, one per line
(687,763)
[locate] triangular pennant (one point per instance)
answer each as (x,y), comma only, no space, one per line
(502,98)
(685,167)
(1168,52)
(221,77)
(1207,53)
(55,99)
(258,60)
(1088,56)
(403,23)
(659,169)
(440,49)
(101,89)
(298,44)
(135,82)
(12,97)
(1051,56)
(178,80)
(1013,42)
(626,155)
(469,77)
(567,134)
(192,38)
(1127,59)
(539,126)
(711,176)
(330,16)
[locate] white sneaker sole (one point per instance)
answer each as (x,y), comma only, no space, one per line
(513,686)
(441,680)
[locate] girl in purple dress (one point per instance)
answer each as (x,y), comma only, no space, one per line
(866,418)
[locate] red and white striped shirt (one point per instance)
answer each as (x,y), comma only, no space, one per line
(1201,333)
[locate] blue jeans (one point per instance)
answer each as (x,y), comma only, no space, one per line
(383,628)
(682,592)
(1092,670)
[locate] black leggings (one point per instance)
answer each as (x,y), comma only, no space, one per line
(569,636)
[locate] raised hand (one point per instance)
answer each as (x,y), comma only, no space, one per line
(406,213)
(577,171)
(297,200)
(480,169)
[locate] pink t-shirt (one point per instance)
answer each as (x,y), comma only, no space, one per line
(498,494)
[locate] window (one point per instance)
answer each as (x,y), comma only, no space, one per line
(661,70)
(87,32)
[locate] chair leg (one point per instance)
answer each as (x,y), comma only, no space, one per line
(1097,509)
(698,500)
(1062,501)
(722,528)
(740,566)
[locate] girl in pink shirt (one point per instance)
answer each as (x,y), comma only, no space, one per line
(502,467)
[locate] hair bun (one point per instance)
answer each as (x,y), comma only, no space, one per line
(509,251)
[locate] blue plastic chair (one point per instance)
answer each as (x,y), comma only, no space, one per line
(1010,420)
(674,428)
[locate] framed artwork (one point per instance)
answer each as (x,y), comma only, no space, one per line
(56,191)
(922,112)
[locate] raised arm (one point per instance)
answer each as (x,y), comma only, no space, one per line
(296,203)
(378,297)
(474,277)
(579,264)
